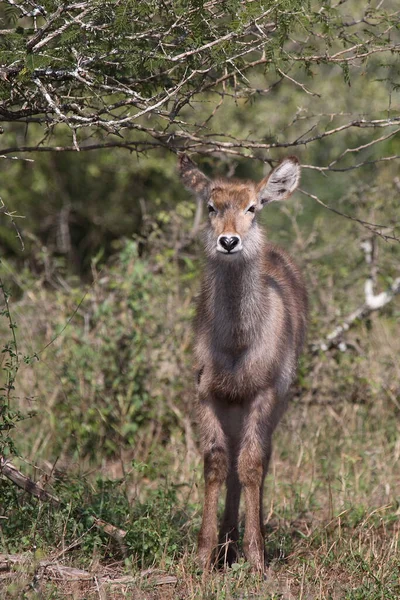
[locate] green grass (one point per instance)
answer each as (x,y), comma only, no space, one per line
(332,521)
(114,438)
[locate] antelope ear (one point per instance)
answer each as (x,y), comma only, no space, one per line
(192,178)
(281,182)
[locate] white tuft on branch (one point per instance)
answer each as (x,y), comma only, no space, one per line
(372,303)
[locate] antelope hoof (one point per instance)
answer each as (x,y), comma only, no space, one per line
(254,552)
(205,555)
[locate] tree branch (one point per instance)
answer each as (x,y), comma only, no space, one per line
(373,302)
(32,488)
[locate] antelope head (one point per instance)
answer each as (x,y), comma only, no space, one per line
(233,204)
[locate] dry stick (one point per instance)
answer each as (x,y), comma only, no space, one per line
(184,139)
(111,530)
(32,488)
(336,58)
(25,483)
(372,303)
(374,228)
(11,215)
(7,561)
(56,570)
(37,43)
(300,85)
(364,163)
(40,33)
(363,146)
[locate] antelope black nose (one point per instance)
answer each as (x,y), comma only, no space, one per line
(229,243)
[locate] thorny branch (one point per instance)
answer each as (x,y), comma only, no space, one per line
(380,230)
(132,74)
(108,67)
(12,216)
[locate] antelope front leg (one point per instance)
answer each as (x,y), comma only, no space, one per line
(215,473)
(251,477)
(229,531)
(252,465)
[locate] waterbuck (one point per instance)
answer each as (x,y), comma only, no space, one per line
(249,330)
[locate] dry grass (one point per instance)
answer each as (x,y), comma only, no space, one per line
(333,521)
(331,498)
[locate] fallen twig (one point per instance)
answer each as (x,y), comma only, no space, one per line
(25,483)
(54,570)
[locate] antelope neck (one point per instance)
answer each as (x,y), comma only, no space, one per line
(235,300)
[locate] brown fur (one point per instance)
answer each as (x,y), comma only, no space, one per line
(249,331)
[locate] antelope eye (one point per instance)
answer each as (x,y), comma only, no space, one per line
(251,209)
(211,209)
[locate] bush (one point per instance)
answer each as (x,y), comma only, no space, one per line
(117,361)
